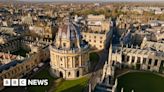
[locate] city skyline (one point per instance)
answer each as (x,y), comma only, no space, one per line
(92,0)
(81,46)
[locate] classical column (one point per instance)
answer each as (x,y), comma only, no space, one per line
(66,60)
(141,61)
(147,61)
(122,89)
(58,60)
(80,60)
(130,59)
(135,59)
(74,62)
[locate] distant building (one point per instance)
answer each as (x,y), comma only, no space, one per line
(27,20)
(97,28)
(15,66)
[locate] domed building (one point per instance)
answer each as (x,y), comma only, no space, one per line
(69,53)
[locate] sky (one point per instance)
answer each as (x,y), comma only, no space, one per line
(97,0)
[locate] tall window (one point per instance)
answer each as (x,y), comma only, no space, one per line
(73,45)
(123,58)
(138,60)
(150,60)
(69,73)
(144,60)
(128,58)
(133,58)
(156,62)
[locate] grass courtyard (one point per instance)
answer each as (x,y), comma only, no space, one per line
(94,57)
(63,86)
(72,85)
(141,82)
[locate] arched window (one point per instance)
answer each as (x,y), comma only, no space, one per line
(69,73)
(61,74)
(77,74)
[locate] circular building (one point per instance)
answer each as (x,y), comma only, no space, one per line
(69,53)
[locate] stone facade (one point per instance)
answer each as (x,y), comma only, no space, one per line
(96,40)
(69,53)
(97,28)
(145,57)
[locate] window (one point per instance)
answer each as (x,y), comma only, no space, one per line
(94,40)
(100,37)
(133,58)
(148,67)
(94,36)
(127,58)
(156,62)
(138,60)
(73,45)
(76,63)
(64,44)
(144,60)
(61,65)
(100,41)
(123,58)
(69,73)
(150,60)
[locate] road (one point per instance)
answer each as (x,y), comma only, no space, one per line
(98,71)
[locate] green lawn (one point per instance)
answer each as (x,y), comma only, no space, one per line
(44,74)
(72,85)
(94,57)
(20,52)
(141,82)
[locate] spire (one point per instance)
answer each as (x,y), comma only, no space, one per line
(110,53)
(122,89)
(132,90)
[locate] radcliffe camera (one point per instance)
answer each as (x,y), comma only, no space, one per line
(81,45)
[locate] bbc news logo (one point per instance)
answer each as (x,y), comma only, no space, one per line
(25,82)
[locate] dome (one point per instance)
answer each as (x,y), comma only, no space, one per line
(69,36)
(69,31)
